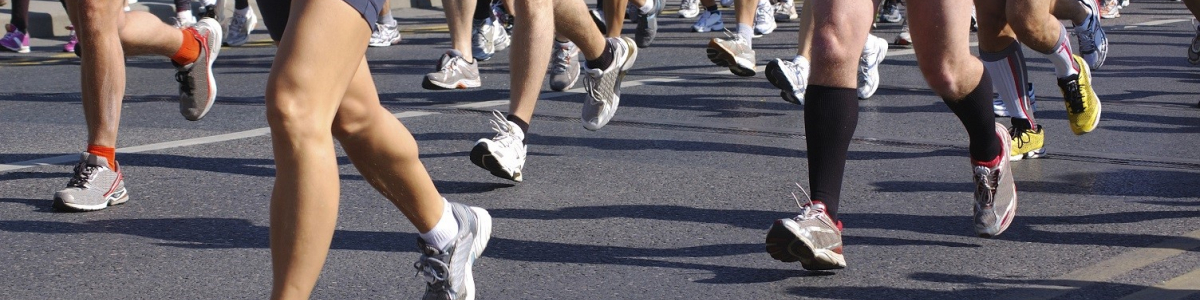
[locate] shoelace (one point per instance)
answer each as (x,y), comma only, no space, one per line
(435,272)
(238,24)
(186,84)
(504,132)
(83,175)
(807,209)
(1019,135)
(450,67)
(562,59)
(985,185)
(763,12)
(1073,96)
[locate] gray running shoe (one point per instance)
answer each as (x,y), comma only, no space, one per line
(197,86)
(791,77)
(689,9)
(647,25)
(868,66)
(785,11)
(454,72)
(604,85)
(488,37)
(385,35)
(890,13)
(708,21)
(240,27)
(564,67)
(995,192)
(448,271)
(92,187)
(504,154)
(733,52)
(1093,43)
(810,237)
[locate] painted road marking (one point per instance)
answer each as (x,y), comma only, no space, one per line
(1107,269)
(1177,288)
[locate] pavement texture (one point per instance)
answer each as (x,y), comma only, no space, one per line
(669,201)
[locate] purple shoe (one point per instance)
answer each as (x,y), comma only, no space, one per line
(70,45)
(15,40)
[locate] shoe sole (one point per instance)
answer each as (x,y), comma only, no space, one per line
(460,85)
(785,246)
(61,205)
(778,78)
(1036,153)
(482,156)
(717,27)
(723,57)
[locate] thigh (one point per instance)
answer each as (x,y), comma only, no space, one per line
(309,76)
(941,35)
(276,14)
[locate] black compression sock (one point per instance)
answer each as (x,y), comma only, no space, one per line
(975,112)
(1021,124)
(712,9)
(605,59)
(830,118)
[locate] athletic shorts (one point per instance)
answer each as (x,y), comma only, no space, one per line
(275,13)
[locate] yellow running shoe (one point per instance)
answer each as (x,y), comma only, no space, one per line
(1083,107)
(1026,143)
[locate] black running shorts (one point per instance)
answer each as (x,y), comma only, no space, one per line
(275,13)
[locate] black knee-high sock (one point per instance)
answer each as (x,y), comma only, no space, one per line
(975,112)
(830,117)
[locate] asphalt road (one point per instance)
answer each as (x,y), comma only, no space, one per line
(670,201)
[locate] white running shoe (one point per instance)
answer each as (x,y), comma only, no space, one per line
(764,18)
(709,21)
(791,77)
(604,85)
(785,11)
(689,9)
(385,35)
(240,27)
(868,66)
(504,154)
(487,38)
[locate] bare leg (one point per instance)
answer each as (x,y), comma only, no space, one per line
(532,41)
(1070,10)
(804,41)
(1193,6)
(459,14)
(941,41)
(103,71)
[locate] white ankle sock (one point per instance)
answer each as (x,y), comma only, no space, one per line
(746,31)
(445,231)
(648,7)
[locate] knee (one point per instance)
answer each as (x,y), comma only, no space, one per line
(836,47)
(946,80)
(292,117)
(352,119)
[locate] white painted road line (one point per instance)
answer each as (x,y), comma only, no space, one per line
(257,132)
(1176,288)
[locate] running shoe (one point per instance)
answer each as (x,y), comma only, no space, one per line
(447,271)
(785,11)
(995,193)
(1026,143)
(604,85)
(72,40)
(733,52)
(93,186)
(454,72)
(791,77)
(385,35)
(708,21)
(197,86)
(1093,43)
(811,238)
(689,8)
(727,3)
(904,38)
(185,20)
(207,11)
(647,24)
(1110,10)
(890,13)
(764,18)
(598,18)
(564,66)
(488,37)
(243,23)
(15,40)
(1083,106)
(868,66)
(1194,49)
(503,154)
